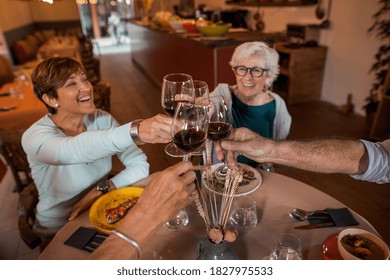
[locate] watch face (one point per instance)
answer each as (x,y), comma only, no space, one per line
(103,187)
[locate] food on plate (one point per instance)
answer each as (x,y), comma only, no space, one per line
(114,214)
(248,177)
(362,247)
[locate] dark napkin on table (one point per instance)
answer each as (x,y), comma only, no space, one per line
(341,217)
(87,239)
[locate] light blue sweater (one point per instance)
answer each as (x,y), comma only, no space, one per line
(65,168)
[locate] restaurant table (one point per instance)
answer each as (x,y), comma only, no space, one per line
(19,112)
(276,197)
(61,46)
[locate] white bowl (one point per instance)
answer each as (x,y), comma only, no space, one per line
(363,234)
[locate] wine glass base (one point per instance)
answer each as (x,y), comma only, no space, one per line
(174,151)
(221,172)
(179,221)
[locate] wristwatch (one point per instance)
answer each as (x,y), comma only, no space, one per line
(103,186)
(134,132)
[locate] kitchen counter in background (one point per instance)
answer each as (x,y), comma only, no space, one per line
(159,52)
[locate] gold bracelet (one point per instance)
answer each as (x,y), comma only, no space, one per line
(130,240)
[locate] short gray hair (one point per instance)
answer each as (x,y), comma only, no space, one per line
(261,49)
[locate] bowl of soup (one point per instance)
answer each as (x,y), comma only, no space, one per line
(358,244)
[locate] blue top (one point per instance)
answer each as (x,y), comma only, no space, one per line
(259,119)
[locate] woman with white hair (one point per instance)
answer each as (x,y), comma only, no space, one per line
(253,104)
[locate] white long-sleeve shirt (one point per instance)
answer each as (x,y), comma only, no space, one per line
(379,162)
(64,168)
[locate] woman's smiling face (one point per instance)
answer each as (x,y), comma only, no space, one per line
(76,95)
(249,87)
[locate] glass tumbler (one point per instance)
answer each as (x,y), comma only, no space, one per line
(244,214)
(287,247)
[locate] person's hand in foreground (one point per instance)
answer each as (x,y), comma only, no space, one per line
(243,141)
(327,155)
(167,193)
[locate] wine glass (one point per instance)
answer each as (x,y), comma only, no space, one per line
(200,90)
(189,132)
(189,127)
(171,94)
(220,125)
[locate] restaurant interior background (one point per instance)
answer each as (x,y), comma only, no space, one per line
(350,54)
(350,49)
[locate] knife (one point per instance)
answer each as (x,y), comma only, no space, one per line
(320,225)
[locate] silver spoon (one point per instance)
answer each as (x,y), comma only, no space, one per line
(295,216)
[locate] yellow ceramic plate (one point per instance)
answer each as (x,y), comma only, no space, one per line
(97,213)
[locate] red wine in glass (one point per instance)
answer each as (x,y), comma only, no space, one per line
(189,140)
(169,107)
(218,131)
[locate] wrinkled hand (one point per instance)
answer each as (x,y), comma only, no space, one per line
(242,141)
(168,192)
(85,203)
(156,129)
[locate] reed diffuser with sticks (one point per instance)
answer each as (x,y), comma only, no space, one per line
(215,207)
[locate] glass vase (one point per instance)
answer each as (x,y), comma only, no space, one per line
(208,250)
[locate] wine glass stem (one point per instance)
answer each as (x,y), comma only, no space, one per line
(187,157)
(225,165)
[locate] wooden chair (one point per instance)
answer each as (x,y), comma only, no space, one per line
(102,93)
(16,159)
(28,199)
(6,71)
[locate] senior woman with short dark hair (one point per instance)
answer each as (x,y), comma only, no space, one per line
(70,148)
(253,104)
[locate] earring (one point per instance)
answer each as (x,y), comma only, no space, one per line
(265,88)
(57,105)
